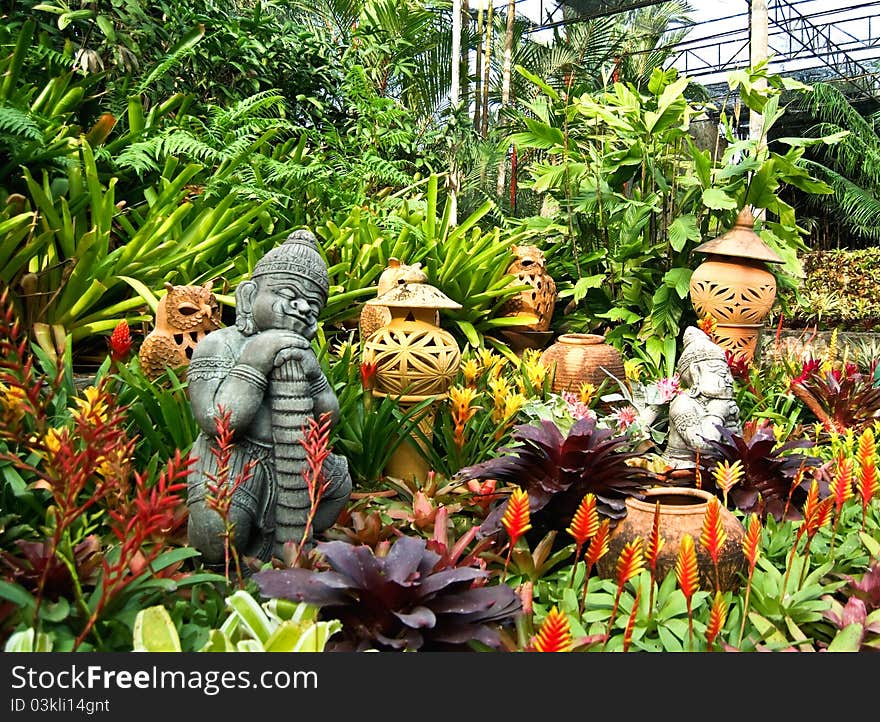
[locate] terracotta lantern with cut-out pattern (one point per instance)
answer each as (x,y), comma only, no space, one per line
(734,286)
(415,360)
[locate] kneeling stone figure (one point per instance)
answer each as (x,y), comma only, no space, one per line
(265,375)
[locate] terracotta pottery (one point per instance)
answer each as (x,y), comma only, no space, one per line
(373,317)
(580,358)
(415,360)
(681,512)
(734,286)
(539,299)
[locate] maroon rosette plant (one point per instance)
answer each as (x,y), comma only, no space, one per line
(558,471)
(410,599)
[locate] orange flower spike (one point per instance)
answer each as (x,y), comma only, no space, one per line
(809,510)
(599,544)
(686,571)
(752,541)
(631,622)
(841,488)
(822,516)
(555,633)
(713,534)
(727,475)
(717,618)
(585,522)
(630,562)
(516,520)
(656,542)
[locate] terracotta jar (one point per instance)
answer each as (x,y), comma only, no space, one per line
(681,512)
(580,358)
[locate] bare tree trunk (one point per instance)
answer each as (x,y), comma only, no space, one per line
(455,86)
(478,93)
(505,84)
(465,63)
(487,64)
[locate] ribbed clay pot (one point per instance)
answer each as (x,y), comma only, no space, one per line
(682,510)
(579,358)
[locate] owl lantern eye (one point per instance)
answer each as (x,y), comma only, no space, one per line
(187,309)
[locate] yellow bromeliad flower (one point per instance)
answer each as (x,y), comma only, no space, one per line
(470,369)
(53,439)
(93,408)
(830,354)
(461,400)
(536,372)
(512,405)
(13,403)
(632,369)
(586,392)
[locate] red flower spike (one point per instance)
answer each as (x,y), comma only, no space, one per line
(717,618)
(599,544)
(686,571)
(555,633)
(809,510)
(516,520)
(585,522)
(655,543)
(752,541)
(630,562)
(120,341)
(713,534)
(631,622)
(368,371)
(841,488)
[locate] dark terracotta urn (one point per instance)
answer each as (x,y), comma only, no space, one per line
(681,512)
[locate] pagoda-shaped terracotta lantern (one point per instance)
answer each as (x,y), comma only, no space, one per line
(415,360)
(734,286)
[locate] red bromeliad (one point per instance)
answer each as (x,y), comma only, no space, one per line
(868,483)
(584,525)
(554,634)
(841,490)
(752,549)
(655,544)
(120,341)
(631,621)
(630,562)
(516,520)
(717,618)
(713,535)
(688,576)
(598,548)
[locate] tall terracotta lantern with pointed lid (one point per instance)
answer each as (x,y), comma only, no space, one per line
(415,360)
(734,286)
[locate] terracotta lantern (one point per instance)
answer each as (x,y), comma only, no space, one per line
(734,286)
(415,360)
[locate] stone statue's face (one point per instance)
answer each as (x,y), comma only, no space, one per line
(715,379)
(286,304)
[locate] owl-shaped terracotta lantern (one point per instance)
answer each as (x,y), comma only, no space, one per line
(184,315)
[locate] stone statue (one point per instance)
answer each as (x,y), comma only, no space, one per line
(264,372)
(706,403)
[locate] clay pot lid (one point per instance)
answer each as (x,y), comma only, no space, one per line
(414,295)
(741,241)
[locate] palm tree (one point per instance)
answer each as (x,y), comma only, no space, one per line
(850,166)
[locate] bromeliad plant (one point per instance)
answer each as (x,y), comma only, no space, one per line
(774,477)
(408,599)
(558,471)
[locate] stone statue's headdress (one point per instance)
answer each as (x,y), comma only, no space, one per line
(297,256)
(697,347)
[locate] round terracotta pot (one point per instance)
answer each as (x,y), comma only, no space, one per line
(580,358)
(681,512)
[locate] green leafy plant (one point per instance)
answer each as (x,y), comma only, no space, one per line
(274,626)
